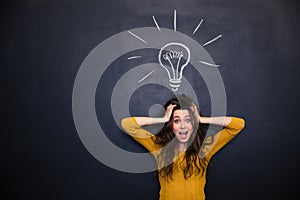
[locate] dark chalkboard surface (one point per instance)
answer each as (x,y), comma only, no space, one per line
(44,43)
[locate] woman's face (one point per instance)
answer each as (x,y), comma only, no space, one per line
(182,125)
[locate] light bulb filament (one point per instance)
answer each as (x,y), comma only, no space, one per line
(177,55)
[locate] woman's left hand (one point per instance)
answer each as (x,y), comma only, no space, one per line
(196,112)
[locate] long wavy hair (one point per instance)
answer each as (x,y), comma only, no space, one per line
(192,163)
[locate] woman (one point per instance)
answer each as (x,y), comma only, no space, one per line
(180,148)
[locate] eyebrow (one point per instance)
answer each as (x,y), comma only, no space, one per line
(178,116)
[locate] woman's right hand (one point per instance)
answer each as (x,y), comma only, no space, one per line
(168,112)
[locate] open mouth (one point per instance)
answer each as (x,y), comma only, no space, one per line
(183,133)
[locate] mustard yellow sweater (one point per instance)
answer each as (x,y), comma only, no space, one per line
(180,188)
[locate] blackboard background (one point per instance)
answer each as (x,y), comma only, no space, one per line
(44,44)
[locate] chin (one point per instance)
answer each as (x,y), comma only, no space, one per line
(183,140)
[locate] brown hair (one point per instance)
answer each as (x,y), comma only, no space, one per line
(164,138)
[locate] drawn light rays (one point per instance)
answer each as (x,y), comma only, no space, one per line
(156,24)
(133,57)
(175,30)
(175,21)
(212,40)
(134,35)
(146,76)
(195,30)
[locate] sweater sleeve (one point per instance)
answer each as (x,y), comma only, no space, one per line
(142,136)
(214,143)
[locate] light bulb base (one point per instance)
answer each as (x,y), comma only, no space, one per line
(175,81)
(175,84)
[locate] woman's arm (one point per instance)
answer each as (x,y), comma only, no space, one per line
(221,121)
(232,126)
(142,136)
(133,126)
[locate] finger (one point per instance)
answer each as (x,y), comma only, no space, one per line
(194,107)
(195,110)
(171,106)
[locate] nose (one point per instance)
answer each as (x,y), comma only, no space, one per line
(182,125)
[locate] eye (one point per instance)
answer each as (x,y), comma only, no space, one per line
(188,120)
(176,121)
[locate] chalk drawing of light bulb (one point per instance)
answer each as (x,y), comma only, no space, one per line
(174,57)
